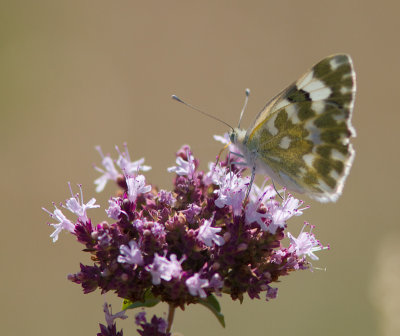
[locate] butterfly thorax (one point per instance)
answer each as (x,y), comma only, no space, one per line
(239,138)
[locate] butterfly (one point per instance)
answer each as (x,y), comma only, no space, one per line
(301,138)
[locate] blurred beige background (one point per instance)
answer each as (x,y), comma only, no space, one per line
(75,74)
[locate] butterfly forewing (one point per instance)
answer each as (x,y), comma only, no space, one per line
(301,137)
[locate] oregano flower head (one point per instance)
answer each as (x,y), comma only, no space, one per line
(202,239)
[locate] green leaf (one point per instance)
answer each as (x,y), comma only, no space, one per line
(149,301)
(212,303)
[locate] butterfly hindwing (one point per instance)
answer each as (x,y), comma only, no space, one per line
(301,137)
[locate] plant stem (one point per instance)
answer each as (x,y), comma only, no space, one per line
(171,313)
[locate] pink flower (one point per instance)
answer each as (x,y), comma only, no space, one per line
(128,166)
(136,185)
(114,209)
(280,213)
(195,286)
(165,269)
(183,167)
(305,243)
(232,191)
(257,197)
(130,254)
(64,223)
(77,208)
(208,234)
(110,173)
(253,216)
(124,162)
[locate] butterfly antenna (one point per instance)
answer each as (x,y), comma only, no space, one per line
(202,112)
(244,105)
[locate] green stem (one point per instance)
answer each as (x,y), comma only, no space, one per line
(171,313)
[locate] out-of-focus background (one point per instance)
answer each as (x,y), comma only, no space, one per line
(75,74)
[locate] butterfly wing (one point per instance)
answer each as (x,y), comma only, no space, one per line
(301,137)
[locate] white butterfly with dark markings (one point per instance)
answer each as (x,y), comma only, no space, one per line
(301,138)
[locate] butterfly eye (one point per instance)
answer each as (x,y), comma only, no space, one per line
(232,136)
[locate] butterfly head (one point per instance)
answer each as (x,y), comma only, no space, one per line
(237,135)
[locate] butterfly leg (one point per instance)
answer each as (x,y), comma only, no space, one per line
(277,192)
(253,172)
(253,175)
(221,151)
(229,163)
(237,154)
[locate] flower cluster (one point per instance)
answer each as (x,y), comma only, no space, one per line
(111,328)
(204,237)
(157,326)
